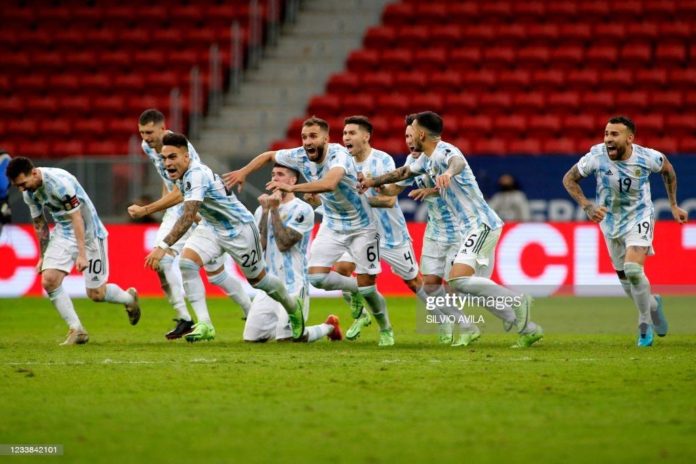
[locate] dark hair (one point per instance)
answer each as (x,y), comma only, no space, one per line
(19,165)
(361,121)
(175,140)
(295,172)
(314,121)
(151,116)
(410,118)
(431,121)
(626,121)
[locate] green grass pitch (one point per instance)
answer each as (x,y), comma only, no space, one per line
(584,394)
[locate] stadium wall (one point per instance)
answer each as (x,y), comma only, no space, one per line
(541,258)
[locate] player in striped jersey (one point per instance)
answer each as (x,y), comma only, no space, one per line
(480,229)
(625,212)
(79,239)
(229,228)
(285,225)
(347,222)
(152,128)
(394,240)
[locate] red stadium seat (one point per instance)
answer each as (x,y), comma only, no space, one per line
(412,82)
(432,58)
(616,79)
(377,82)
(564,102)
(567,56)
(478,34)
(560,146)
(529,12)
(668,102)
(542,33)
(603,55)
(398,14)
(396,59)
(651,125)
(533,57)
(81,60)
(579,125)
(380,37)
(107,147)
(427,102)
(92,127)
(46,106)
(593,9)
(682,78)
(518,79)
(511,34)
(675,31)
(498,57)
(687,145)
(636,54)
(461,103)
(110,105)
(491,146)
(598,101)
(64,83)
(524,146)
(391,105)
(445,82)
(680,125)
(465,58)
(413,37)
(477,80)
(363,60)
(575,33)
(651,78)
(670,54)
(464,145)
(55,127)
(12,106)
(23,127)
(35,149)
(358,104)
(510,125)
(631,102)
(342,83)
(64,148)
(75,104)
(561,12)
(446,35)
(431,14)
(324,104)
(642,31)
(122,128)
(495,102)
(543,126)
(549,79)
(480,125)
(498,11)
(533,102)
(609,33)
(660,9)
(464,12)
(583,79)
(666,145)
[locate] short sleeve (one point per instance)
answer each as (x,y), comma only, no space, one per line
(587,164)
(452,152)
(301,218)
(656,160)
(34,207)
(289,158)
(419,166)
(257,215)
(194,186)
(338,159)
(67,193)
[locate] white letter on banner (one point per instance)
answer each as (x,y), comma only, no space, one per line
(588,280)
(24,247)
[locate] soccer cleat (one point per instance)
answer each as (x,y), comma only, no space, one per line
(445,336)
(386,337)
(336,334)
(645,335)
(297,320)
(528,339)
(76,337)
(658,318)
(201,331)
(357,304)
(522,313)
(133,309)
(467,338)
(182,328)
(363,320)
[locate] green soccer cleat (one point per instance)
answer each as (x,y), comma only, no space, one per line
(522,313)
(445,337)
(528,339)
(363,320)
(386,337)
(201,331)
(467,338)
(297,320)
(357,304)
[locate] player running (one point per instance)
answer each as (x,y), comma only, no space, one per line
(625,213)
(79,239)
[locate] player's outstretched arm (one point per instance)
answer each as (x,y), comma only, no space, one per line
(328,183)
(422,194)
(392,190)
(669,177)
(454,167)
(263,222)
(239,176)
(178,230)
(167,201)
(571,182)
(397,175)
(382,201)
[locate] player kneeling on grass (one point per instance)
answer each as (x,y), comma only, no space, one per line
(285,224)
(625,212)
(229,228)
(79,239)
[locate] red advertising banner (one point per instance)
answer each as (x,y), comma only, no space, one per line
(541,257)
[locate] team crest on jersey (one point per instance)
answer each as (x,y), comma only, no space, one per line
(638,171)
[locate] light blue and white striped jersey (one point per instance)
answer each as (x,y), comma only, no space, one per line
(156,160)
(291,265)
(623,187)
(442,226)
(4,181)
(60,193)
(345,210)
(391,223)
(463,196)
(220,208)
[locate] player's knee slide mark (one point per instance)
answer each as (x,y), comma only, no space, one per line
(317,279)
(634,272)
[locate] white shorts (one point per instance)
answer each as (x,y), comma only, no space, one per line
(61,254)
(363,246)
(478,250)
(402,260)
(437,257)
(165,227)
(640,235)
(245,248)
(267,319)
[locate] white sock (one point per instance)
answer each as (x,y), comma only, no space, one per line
(315,332)
(378,306)
(334,281)
(195,291)
(422,294)
(347,296)
(627,288)
(274,288)
(170,280)
(63,304)
(233,289)
(640,291)
(480,286)
(115,294)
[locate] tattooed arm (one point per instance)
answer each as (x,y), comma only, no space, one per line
(399,174)
(263,222)
(454,167)
(669,177)
(42,232)
(382,201)
(178,230)
(571,182)
(286,237)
